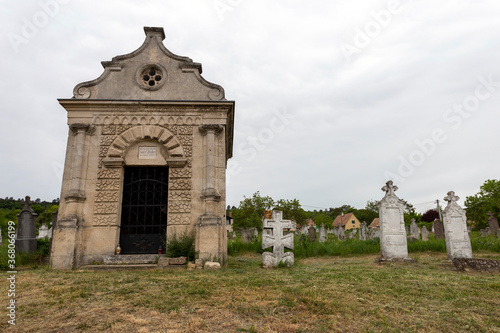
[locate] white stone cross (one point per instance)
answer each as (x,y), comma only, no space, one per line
(389,188)
(451,197)
(277,240)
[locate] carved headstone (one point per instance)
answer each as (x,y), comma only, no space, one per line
(375,233)
(248,235)
(425,234)
(312,233)
(26,229)
(438,229)
(392,226)
(363,231)
(414,229)
(322,234)
(340,233)
(455,229)
(43,231)
(493,223)
(278,241)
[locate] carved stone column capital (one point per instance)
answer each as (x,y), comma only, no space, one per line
(210,128)
(82,128)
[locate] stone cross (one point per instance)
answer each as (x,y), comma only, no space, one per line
(389,188)
(493,222)
(455,229)
(277,240)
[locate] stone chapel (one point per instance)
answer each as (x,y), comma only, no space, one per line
(146,157)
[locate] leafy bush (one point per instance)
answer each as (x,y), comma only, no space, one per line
(237,246)
(40,257)
(181,246)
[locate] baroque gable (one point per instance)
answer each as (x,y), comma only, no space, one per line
(151,72)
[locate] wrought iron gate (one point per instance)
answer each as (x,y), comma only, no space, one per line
(144,209)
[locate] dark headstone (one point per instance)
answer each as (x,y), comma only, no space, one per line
(438,229)
(26,229)
(312,233)
(493,222)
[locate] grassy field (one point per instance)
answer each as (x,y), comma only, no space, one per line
(327,294)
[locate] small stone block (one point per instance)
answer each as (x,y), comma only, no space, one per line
(163,262)
(209,265)
(190,266)
(177,261)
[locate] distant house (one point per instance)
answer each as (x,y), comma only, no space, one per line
(375,223)
(310,223)
(347,221)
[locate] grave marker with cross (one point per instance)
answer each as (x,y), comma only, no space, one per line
(455,229)
(277,240)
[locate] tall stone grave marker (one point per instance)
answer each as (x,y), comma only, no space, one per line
(392,226)
(438,229)
(455,229)
(363,231)
(312,233)
(43,231)
(278,241)
(340,233)
(414,229)
(147,151)
(26,229)
(493,222)
(322,234)
(425,234)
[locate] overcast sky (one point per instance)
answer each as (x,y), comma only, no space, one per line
(332,98)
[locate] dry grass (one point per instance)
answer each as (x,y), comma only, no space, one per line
(317,295)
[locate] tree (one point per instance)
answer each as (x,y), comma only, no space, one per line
(251,211)
(292,210)
(487,199)
(430,215)
(372,205)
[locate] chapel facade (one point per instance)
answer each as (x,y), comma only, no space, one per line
(146,157)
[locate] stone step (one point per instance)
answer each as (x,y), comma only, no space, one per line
(131,259)
(118,267)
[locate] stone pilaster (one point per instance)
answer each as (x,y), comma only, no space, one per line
(210,227)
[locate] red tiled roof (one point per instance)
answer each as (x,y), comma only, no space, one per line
(342,220)
(375,223)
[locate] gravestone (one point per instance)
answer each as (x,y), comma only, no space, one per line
(304,230)
(340,233)
(248,235)
(438,229)
(363,231)
(352,233)
(312,233)
(493,223)
(414,229)
(148,145)
(425,234)
(485,232)
(43,231)
(26,229)
(375,233)
(392,225)
(322,234)
(278,241)
(455,229)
